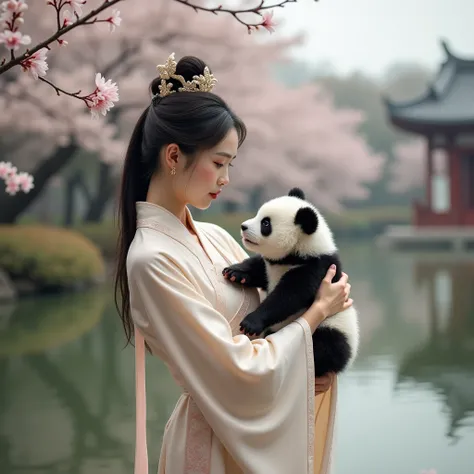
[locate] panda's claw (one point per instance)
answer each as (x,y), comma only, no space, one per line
(234,274)
(252,325)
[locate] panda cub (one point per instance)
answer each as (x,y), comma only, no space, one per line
(294,249)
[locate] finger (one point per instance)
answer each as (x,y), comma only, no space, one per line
(330,273)
(348,303)
(343,279)
(243,280)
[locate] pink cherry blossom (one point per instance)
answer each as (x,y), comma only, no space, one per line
(25,181)
(68,18)
(13,185)
(15,6)
(15,181)
(77,5)
(13,40)
(6,169)
(36,64)
(104,96)
(268,23)
(114,20)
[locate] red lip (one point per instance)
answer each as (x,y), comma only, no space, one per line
(214,195)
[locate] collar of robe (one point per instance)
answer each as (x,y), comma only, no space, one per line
(158,217)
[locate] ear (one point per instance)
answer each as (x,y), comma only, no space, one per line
(296,192)
(307,219)
(171,155)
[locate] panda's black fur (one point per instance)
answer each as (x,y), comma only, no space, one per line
(291,278)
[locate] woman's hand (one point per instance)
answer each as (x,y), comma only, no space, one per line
(333,298)
(323,383)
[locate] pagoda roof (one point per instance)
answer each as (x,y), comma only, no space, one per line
(448,102)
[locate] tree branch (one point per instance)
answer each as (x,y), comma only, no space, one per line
(91,18)
(235,13)
(85,20)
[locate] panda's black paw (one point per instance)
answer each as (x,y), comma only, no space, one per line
(252,324)
(237,274)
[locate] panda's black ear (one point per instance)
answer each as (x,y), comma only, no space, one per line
(307,219)
(296,192)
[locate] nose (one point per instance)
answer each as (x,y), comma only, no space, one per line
(243,227)
(224,180)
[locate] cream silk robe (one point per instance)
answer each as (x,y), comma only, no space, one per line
(248,406)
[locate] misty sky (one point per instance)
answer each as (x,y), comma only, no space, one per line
(368,35)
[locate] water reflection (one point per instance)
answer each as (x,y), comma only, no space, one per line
(67,394)
(67,391)
(444,359)
(407,404)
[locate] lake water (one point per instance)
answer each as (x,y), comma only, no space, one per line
(67,385)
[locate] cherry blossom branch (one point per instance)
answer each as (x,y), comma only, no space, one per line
(34,60)
(99,101)
(105,94)
(267,22)
(88,19)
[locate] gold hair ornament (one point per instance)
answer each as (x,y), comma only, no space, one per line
(200,83)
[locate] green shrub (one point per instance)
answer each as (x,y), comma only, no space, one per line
(49,257)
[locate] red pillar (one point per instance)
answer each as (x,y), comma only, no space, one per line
(429,173)
(455,184)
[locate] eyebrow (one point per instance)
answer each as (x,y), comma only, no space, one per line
(226,155)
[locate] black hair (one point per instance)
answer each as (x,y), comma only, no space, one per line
(195,121)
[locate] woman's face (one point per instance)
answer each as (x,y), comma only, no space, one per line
(204,180)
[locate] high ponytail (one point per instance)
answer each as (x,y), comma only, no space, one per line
(133,188)
(195,121)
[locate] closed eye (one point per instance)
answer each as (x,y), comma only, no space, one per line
(220,165)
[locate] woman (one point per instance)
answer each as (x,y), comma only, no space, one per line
(247,405)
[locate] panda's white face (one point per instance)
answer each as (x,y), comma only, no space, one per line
(287,225)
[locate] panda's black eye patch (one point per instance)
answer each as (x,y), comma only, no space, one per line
(266,226)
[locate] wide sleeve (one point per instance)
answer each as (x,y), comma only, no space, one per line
(257,395)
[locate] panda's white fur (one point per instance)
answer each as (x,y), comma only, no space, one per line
(285,239)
